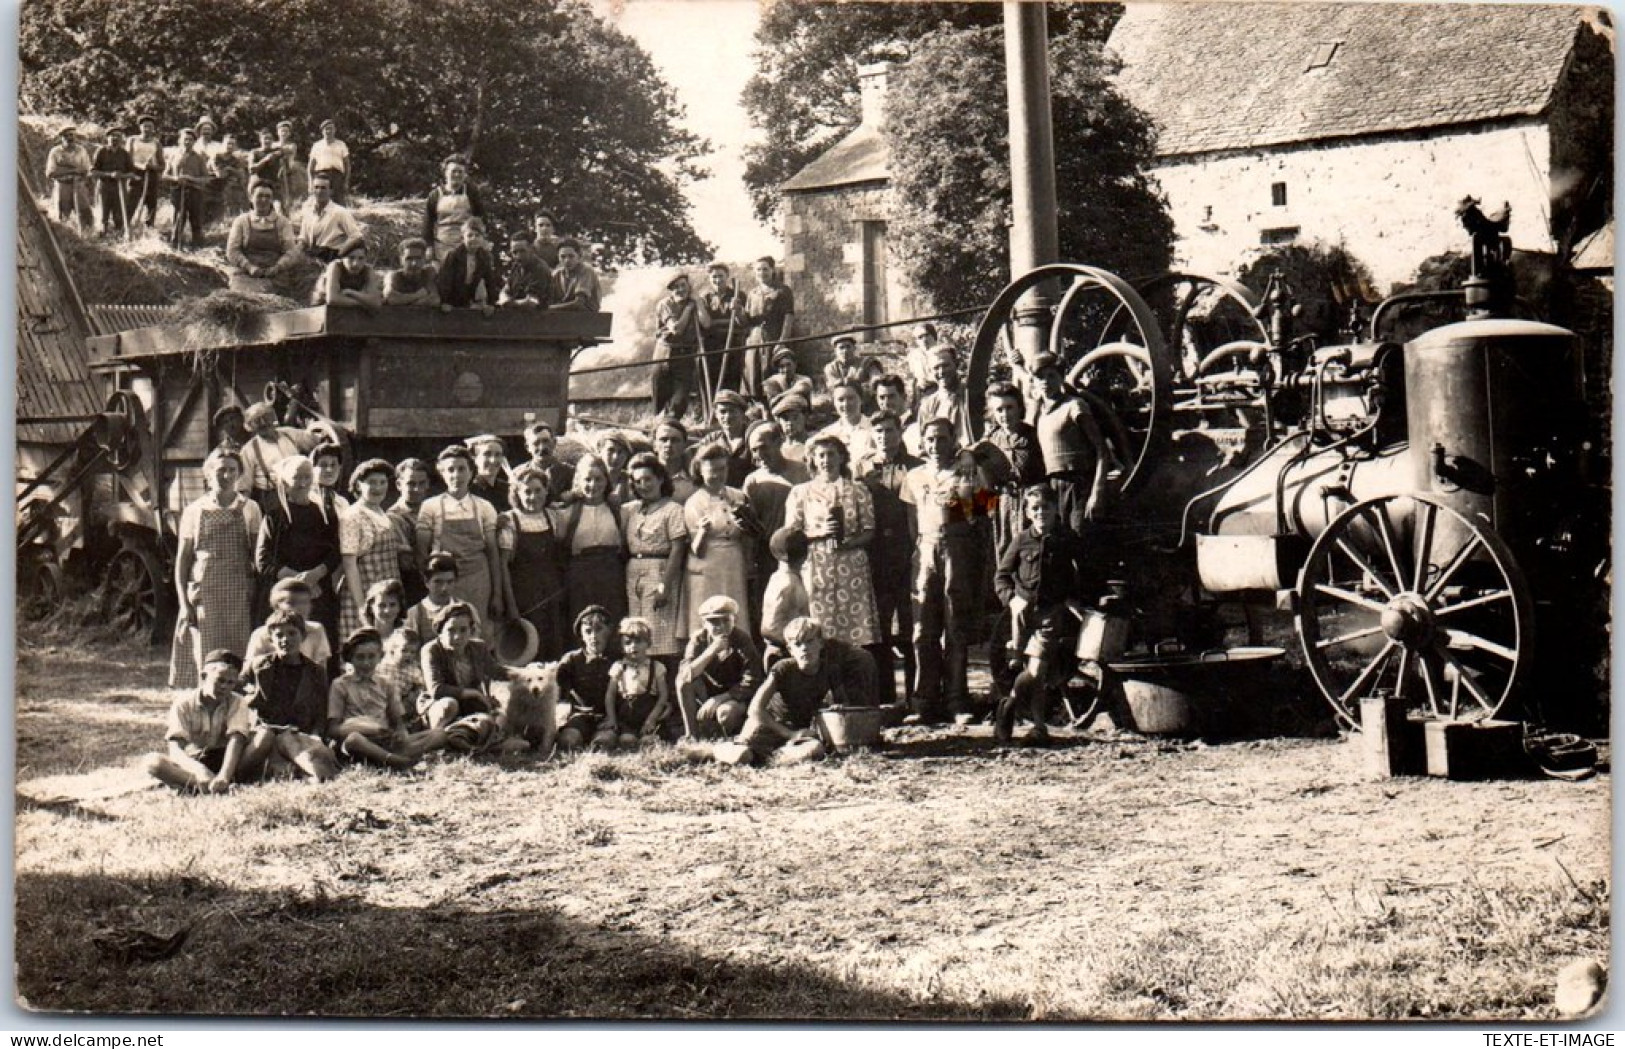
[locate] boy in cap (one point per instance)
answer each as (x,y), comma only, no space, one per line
(768,315)
(848,367)
(208,731)
(784,378)
(719,672)
(67,165)
(678,322)
(114,171)
(732,413)
(721,300)
(790,412)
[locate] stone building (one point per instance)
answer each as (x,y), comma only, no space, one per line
(1364,124)
(834,214)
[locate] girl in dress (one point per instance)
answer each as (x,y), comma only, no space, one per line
(597,550)
(657,542)
(838,516)
(465,526)
(714,515)
(369,543)
(533,565)
(299,538)
(214,569)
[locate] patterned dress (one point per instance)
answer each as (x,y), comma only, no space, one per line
(651,531)
(372,537)
(222,585)
(839,588)
(722,567)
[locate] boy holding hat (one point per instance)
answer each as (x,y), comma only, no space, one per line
(208,731)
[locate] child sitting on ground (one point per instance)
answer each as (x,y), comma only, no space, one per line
(638,698)
(718,675)
(208,731)
(458,669)
(439,576)
(785,598)
(288,695)
(364,715)
(384,610)
(296,596)
(584,681)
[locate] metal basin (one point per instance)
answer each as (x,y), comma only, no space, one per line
(1191,694)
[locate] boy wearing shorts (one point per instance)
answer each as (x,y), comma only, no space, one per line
(288,695)
(718,675)
(208,731)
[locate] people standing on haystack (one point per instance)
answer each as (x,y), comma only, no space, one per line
(679,322)
(188,174)
(722,302)
(147,157)
(295,185)
(329,156)
(113,171)
(768,316)
(260,244)
(67,165)
(215,579)
(450,204)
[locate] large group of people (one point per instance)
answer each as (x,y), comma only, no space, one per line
(723,586)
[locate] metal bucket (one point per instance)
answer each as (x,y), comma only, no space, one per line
(1102,637)
(846,729)
(1191,695)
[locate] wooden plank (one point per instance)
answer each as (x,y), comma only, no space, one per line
(450,424)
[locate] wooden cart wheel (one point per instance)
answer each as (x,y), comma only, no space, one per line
(39,583)
(131,592)
(1406,594)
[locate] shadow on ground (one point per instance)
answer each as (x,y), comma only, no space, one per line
(308,954)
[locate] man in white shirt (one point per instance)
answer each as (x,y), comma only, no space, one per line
(331,157)
(327,230)
(147,156)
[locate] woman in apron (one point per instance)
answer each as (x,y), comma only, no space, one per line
(528,536)
(368,543)
(214,570)
(260,244)
(464,526)
(597,548)
(450,204)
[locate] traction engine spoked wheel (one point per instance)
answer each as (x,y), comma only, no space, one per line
(131,590)
(1145,399)
(1405,593)
(40,584)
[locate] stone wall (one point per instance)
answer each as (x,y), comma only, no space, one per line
(823,262)
(1390,202)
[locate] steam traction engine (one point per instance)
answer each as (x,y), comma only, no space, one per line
(1420,508)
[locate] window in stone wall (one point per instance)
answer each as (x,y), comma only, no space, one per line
(1278,194)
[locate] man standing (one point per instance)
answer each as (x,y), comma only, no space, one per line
(733,416)
(947,400)
(113,173)
(331,157)
(766,315)
(542,444)
(327,230)
(1076,457)
(678,323)
(885,473)
(950,498)
(68,166)
(189,172)
(147,157)
(722,332)
(575,285)
(767,490)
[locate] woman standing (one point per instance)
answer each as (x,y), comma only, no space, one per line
(838,516)
(596,544)
(716,552)
(369,543)
(299,537)
(449,205)
(412,482)
(465,526)
(214,569)
(657,541)
(533,566)
(614,450)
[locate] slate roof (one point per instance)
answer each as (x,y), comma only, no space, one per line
(1230,76)
(861,156)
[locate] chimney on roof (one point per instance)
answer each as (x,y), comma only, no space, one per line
(872,91)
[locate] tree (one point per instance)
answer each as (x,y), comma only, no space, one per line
(804,95)
(950,166)
(556,108)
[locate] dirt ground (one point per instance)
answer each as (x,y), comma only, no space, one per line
(1111,876)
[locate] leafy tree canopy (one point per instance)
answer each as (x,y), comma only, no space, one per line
(804,95)
(948,133)
(558,109)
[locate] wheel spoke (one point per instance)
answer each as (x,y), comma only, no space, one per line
(1424,544)
(1467,550)
(1425,666)
(1386,530)
(1482,599)
(1352,597)
(1366,566)
(1463,679)
(1404,669)
(1460,639)
(1355,635)
(1367,676)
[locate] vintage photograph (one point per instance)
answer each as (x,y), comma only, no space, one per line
(713,510)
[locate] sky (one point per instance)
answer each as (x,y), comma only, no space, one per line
(703,49)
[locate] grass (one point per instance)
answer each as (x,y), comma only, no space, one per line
(1110,877)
